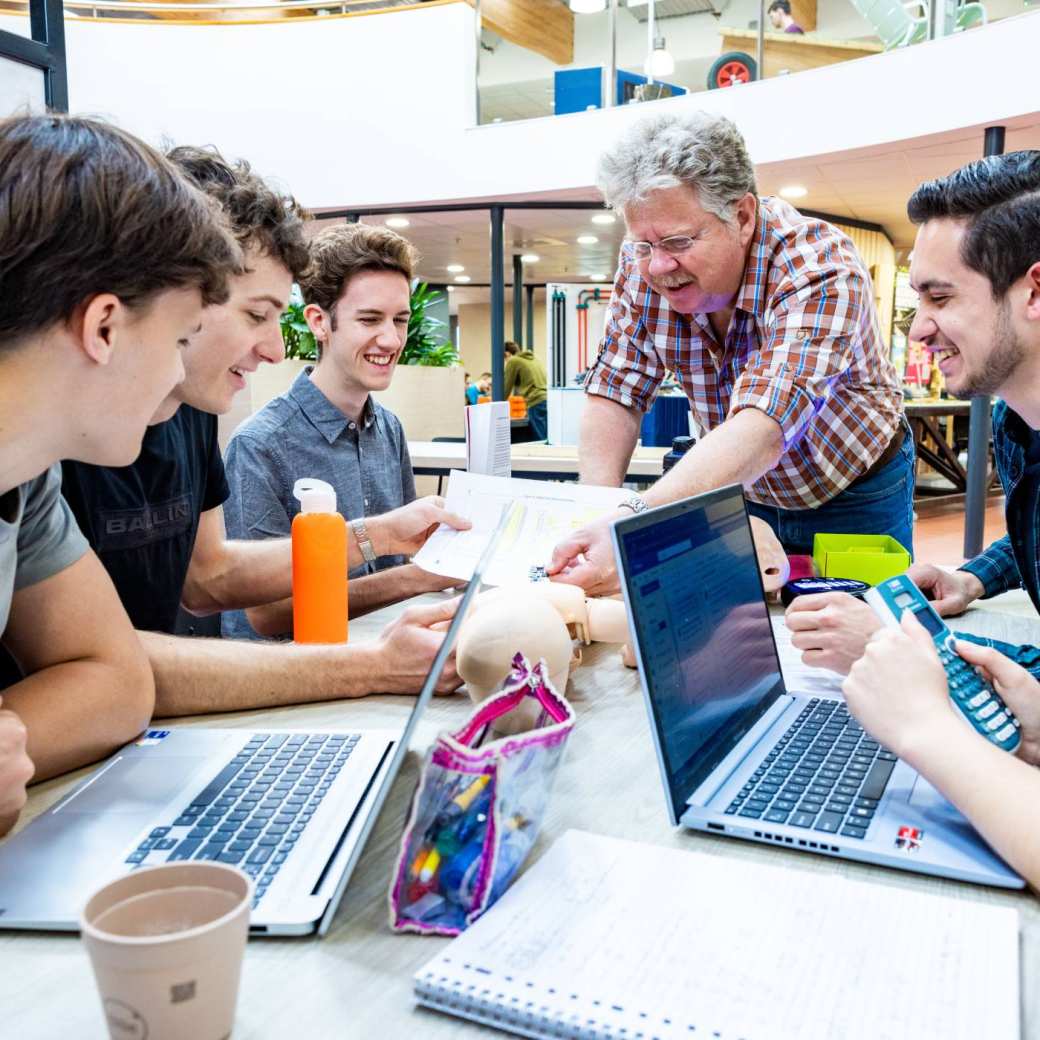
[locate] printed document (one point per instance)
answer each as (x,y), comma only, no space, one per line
(547,513)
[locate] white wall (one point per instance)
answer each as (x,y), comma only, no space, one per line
(379,110)
(331,106)
(21,86)
(475,334)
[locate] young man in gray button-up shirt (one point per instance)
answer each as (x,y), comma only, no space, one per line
(328,426)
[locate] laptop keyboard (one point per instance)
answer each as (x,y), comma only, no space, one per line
(252,813)
(825,774)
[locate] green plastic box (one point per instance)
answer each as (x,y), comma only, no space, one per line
(866,557)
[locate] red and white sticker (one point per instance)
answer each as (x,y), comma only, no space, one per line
(909,838)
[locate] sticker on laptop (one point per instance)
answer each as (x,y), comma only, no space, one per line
(151,737)
(909,838)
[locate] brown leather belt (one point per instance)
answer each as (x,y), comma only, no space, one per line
(888,454)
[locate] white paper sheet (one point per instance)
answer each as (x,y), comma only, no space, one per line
(549,513)
(658,942)
(799,677)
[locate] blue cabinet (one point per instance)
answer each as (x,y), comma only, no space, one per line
(577,90)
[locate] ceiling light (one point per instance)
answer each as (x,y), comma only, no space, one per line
(660,62)
(463,278)
(587,240)
(637,3)
(604,218)
(794,191)
(397,222)
(530,258)
(600,277)
(456,268)
(451,288)
(588,6)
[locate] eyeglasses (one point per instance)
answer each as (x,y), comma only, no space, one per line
(674,245)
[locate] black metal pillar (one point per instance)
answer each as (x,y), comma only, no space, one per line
(518,300)
(977,482)
(47,21)
(498,305)
(529,341)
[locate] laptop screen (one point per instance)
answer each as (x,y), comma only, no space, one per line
(705,642)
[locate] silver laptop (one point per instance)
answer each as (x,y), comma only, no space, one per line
(741,755)
(291,808)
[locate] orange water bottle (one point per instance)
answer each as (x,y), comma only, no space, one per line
(319,565)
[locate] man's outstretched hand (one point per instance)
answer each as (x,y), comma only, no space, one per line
(586,559)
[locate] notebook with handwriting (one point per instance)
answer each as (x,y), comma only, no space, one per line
(610,938)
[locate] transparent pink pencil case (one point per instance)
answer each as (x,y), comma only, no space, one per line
(477,808)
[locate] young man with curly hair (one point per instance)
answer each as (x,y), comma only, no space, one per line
(158,524)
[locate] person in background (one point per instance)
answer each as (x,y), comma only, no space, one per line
(108,257)
(767,319)
(780,15)
(472,391)
(525,377)
(898,691)
(158,524)
(328,425)
(976,268)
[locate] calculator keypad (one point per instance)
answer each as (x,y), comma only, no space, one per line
(978,702)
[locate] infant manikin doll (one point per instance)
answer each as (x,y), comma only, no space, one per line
(542,620)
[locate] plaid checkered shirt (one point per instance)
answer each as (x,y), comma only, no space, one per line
(803,346)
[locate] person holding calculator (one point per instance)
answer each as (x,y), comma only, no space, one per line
(898,692)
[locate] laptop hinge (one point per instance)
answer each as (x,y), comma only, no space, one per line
(721,774)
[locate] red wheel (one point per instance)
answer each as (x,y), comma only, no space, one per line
(731,68)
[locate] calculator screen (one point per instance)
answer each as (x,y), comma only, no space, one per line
(930,620)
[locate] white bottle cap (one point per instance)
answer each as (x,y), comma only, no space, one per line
(315,496)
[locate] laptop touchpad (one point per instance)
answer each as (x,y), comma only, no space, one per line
(134,785)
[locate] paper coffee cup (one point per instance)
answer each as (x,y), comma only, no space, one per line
(166,945)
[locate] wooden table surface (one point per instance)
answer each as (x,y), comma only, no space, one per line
(356,983)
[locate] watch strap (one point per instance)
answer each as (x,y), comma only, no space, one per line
(368,552)
(635,503)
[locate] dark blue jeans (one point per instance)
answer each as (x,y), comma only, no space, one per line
(538,420)
(882,503)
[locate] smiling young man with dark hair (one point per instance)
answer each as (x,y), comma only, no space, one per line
(107,258)
(976,268)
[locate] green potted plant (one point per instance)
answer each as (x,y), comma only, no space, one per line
(299,340)
(428,389)
(423,346)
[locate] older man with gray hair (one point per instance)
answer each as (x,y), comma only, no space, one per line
(767,319)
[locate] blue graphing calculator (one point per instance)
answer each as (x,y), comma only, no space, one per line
(976,699)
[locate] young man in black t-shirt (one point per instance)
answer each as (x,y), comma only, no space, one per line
(158,524)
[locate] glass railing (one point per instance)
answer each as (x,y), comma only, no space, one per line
(535,61)
(642,50)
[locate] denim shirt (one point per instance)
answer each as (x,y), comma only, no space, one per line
(303,434)
(1013,561)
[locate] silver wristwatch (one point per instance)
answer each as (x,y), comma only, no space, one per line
(635,503)
(363,541)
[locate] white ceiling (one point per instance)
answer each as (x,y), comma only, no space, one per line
(870,184)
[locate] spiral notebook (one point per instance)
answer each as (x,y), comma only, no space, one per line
(610,938)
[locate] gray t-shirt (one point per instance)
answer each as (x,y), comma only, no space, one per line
(303,434)
(38,536)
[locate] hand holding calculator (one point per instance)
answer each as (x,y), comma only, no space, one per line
(973,697)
